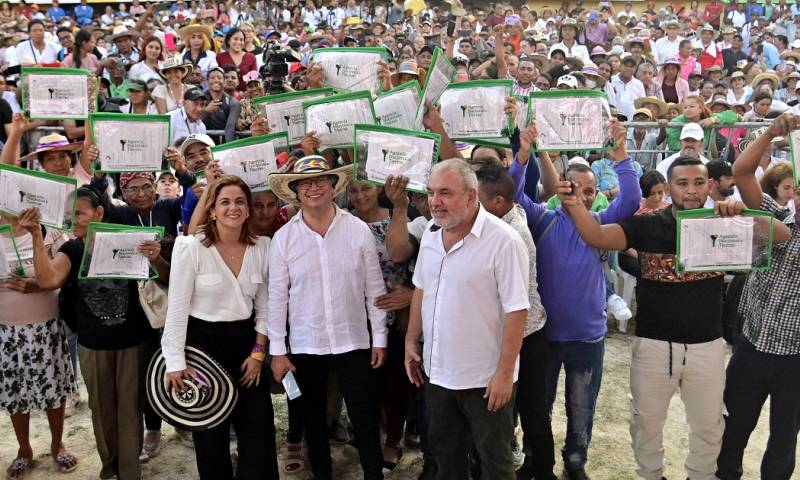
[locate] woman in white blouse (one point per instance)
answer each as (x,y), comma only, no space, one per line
(217,302)
(152,54)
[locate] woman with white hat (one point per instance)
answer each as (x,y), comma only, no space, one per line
(169,96)
(739,91)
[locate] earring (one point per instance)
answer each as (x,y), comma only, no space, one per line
(213,218)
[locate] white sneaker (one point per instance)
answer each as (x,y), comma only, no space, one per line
(618,308)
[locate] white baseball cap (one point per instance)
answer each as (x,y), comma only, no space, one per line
(692,130)
(196,138)
(567,80)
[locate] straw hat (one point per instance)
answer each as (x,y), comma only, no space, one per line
(542,63)
(771,76)
(675,106)
(661,104)
(308,167)
(53,143)
(208,400)
(791,54)
(175,63)
(188,30)
(643,111)
(408,67)
(121,31)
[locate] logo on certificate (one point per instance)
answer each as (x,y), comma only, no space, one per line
(122,142)
(714,240)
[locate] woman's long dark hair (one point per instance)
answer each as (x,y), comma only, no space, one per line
(81,37)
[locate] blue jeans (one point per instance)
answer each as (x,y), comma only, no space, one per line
(751,377)
(583,365)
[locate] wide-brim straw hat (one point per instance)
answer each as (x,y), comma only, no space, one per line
(123,31)
(661,104)
(675,106)
(188,30)
(774,79)
(308,167)
(791,54)
(541,61)
(175,63)
(53,143)
(208,400)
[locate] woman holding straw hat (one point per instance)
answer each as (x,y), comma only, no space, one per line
(169,96)
(198,47)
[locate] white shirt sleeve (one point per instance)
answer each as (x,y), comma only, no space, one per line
(262,294)
(278,299)
(374,287)
(512,269)
(181,287)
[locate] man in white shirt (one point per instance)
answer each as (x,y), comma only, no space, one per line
(496,194)
(626,87)
(691,146)
(187,120)
(569,42)
(721,183)
(470,305)
(324,278)
(35,50)
(667,47)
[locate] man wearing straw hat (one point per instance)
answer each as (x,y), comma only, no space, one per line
(324,280)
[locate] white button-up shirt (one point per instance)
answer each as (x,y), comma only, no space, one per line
(181,126)
(202,286)
(626,94)
(466,294)
(325,287)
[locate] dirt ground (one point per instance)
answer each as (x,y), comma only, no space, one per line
(610,455)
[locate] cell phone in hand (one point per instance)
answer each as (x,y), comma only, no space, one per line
(451,25)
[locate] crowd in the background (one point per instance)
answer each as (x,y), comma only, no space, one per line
(443,320)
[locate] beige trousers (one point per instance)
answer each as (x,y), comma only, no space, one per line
(698,371)
(115,382)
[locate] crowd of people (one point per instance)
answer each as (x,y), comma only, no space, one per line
(442,320)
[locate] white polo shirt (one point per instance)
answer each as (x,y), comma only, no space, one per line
(466,294)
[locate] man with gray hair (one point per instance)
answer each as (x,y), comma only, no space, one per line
(470,306)
(645,73)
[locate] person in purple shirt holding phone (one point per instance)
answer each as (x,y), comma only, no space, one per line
(572,286)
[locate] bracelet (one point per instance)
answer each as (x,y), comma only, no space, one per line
(258,348)
(258,356)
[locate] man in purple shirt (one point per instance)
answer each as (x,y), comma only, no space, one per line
(598,32)
(572,287)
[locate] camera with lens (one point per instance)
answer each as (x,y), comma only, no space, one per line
(276,66)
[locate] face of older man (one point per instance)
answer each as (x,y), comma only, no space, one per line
(450,201)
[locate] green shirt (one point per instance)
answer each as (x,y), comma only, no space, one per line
(120,91)
(727,117)
(600,202)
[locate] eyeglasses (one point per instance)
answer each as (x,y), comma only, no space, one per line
(146,188)
(319,182)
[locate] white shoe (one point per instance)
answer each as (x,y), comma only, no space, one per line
(618,308)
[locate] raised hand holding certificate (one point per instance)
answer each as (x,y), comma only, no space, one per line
(476,109)
(439,76)
(53,195)
(383,151)
(252,159)
(350,69)
(130,142)
(570,119)
(333,118)
(284,112)
(707,242)
(397,107)
(110,251)
(58,93)
(9,255)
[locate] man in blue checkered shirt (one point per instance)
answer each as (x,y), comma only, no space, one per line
(766,358)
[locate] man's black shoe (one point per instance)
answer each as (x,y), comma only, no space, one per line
(576,473)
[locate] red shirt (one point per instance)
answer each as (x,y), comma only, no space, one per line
(281,217)
(712,13)
(248,65)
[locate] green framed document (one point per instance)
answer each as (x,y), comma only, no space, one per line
(284,112)
(794,153)
(130,142)
(570,119)
(10,261)
(383,151)
(53,195)
(334,118)
(440,74)
(398,107)
(252,159)
(58,93)
(707,242)
(110,252)
(475,110)
(351,69)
